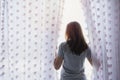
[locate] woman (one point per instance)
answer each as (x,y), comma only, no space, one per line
(72,54)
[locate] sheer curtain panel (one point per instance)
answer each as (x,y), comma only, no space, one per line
(28,36)
(103,22)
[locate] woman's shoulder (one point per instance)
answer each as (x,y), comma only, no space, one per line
(87,50)
(63,44)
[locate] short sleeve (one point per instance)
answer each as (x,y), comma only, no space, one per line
(89,53)
(60,50)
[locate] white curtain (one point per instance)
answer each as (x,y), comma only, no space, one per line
(28,37)
(103,22)
(29,32)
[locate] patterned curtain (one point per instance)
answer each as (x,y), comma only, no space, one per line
(28,36)
(103,22)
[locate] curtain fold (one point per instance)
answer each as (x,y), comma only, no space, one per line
(28,38)
(103,17)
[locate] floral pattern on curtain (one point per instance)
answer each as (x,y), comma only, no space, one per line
(28,38)
(103,21)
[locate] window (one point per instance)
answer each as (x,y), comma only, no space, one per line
(73,12)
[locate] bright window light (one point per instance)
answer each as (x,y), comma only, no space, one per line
(73,12)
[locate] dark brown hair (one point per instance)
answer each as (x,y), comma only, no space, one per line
(75,38)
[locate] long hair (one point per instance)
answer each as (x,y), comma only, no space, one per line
(75,38)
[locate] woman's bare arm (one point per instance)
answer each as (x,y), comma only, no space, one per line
(90,61)
(96,62)
(58,62)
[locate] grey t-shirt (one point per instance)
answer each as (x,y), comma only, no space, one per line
(73,65)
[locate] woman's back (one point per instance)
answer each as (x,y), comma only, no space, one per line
(73,65)
(72,53)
